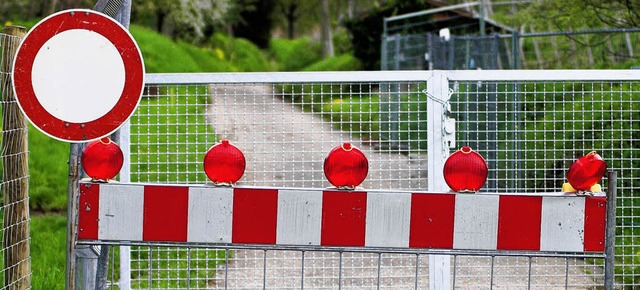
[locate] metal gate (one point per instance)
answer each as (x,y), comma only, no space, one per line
(528,124)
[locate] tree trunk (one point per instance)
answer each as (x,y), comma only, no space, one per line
(325,29)
(291,15)
(160,22)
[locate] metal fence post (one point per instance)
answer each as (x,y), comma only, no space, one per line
(72,214)
(15,171)
(610,235)
(437,151)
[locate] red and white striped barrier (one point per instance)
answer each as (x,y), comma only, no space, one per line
(305,217)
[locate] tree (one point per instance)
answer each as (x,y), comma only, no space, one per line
(255,24)
(183,19)
(570,15)
(326,36)
(290,9)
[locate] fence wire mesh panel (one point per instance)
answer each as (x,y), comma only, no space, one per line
(285,129)
(15,271)
(612,48)
(531,131)
(528,128)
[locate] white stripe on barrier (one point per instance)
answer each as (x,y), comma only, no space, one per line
(562,225)
(210,214)
(121,212)
(388,219)
(476,222)
(299,217)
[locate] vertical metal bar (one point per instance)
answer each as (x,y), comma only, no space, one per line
(122,137)
(383,49)
(566,273)
(189,268)
(515,51)
(226,268)
(149,260)
(379,266)
(340,272)
(455,263)
(529,275)
(264,269)
(493,263)
(437,152)
(417,271)
(103,267)
(72,213)
(302,272)
(610,234)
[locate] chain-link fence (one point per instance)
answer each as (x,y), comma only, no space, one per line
(529,126)
(15,272)
(610,48)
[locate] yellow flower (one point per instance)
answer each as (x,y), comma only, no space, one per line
(219,53)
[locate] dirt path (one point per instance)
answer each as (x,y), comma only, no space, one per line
(285,147)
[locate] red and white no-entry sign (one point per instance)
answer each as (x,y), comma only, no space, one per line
(78,75)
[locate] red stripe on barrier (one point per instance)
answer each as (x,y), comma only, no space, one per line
(519,222)
(343,218)
(432,217)
(88,211)
(165,213)
(255,215)
(595,212)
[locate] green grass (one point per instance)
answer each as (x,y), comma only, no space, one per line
(48,172)
(48,246)
(170,137)
(168,267)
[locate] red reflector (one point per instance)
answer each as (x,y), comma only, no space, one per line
(102,159)
(586,171)
(465,170)
(346,166)
(224,163)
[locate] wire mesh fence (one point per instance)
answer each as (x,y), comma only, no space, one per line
(528,127)
(15,272)
(610,48)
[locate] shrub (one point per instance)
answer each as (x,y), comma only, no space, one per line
(345,62)
(242,53)
(296,54)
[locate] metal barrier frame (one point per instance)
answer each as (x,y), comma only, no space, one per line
(438,93)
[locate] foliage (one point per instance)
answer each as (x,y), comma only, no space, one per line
(294,55)
(48,251)
(31,9)
(241,52)
(257,23)
(188,20)
(572,15)
(366,31)
(344,62)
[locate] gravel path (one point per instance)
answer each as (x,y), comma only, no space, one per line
(285,147)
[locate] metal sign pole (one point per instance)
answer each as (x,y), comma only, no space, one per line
(87,266)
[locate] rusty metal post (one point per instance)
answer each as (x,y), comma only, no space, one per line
(72,214)
(15,171)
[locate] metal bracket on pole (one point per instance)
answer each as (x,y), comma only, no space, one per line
(109,7)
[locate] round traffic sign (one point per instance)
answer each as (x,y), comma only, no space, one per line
(78,75)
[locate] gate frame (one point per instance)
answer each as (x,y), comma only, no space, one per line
(438,93)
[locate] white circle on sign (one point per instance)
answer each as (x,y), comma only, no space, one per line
(68,57)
